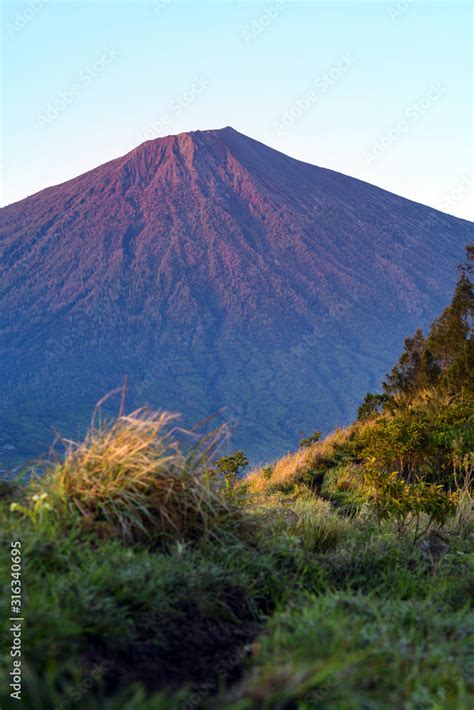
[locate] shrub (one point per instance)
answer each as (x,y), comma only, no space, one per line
(267,472)
(395,442)
(230,467)
(372,406)
(408,503)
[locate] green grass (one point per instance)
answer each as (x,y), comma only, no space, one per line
(148,585)
(352,651)
(156,618)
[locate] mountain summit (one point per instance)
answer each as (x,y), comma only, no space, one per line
(216,272)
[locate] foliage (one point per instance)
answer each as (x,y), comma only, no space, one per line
(445,358)
(415,369)
(420,441)
(310,440)
(408,503)
(396,441)
(230,467)
(372,406)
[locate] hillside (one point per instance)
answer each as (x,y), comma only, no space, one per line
(340,576)
(214,271)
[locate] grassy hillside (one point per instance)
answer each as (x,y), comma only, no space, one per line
(150,576)
(148,582)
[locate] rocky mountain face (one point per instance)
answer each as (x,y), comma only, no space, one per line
(215,272)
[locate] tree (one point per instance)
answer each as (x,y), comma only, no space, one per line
(230,466)
(450,338)
(372,406)
(445,359)
(416,368)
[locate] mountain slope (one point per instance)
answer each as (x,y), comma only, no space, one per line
(215,271)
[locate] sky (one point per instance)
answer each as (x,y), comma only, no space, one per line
(379,91)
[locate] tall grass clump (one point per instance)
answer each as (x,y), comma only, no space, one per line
(133,479)
(317,525)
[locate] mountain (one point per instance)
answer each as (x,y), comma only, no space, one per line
(216,272)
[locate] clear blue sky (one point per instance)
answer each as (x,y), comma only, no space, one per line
(380,91)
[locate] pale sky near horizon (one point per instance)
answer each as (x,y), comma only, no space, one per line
(380,91)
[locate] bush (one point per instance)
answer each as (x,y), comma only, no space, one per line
(416,506)
(230,466)
(372,406)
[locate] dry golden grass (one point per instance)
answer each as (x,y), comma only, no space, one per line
(133,478)
(292,468)
(288,469)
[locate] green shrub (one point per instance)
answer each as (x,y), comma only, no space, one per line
(230,466)
(413,506)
